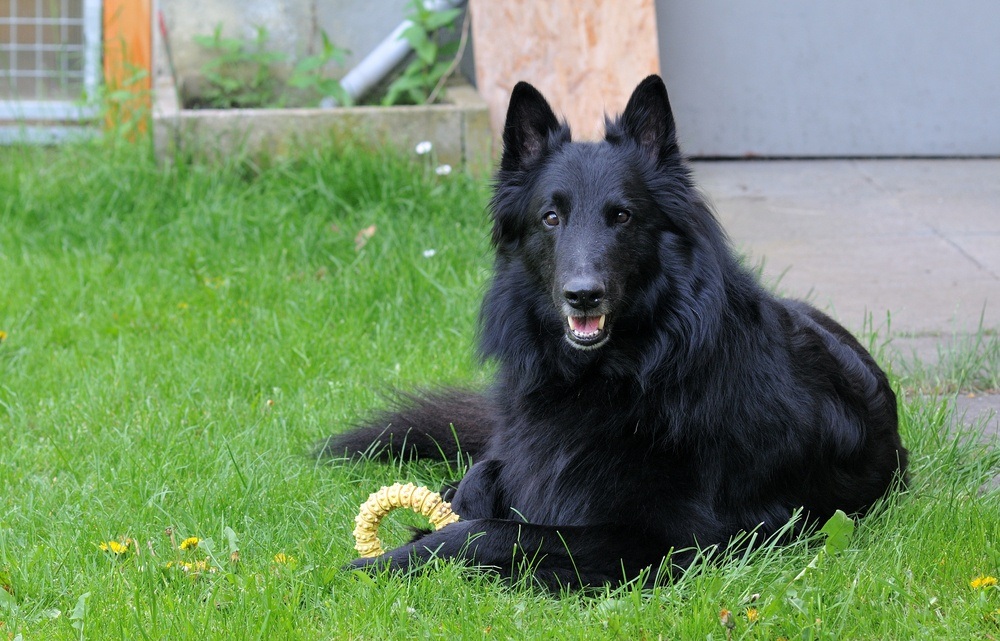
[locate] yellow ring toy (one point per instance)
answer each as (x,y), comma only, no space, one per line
(379,504)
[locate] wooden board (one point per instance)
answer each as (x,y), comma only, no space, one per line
(585,56)
(128,49)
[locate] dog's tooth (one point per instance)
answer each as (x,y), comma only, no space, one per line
(600,322)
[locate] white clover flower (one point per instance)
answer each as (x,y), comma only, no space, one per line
(429,252)
(423,147)
(443,170)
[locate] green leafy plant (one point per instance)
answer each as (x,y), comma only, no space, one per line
(793,591)
(79,613)
(124,106)
(433,62)
(240,74)
(308,73)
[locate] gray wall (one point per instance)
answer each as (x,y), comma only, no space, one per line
(843,78)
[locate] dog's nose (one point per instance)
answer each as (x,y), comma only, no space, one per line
(583,294)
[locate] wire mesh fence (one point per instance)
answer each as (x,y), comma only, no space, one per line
(49,60)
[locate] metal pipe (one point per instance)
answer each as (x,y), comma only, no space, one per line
(386,56)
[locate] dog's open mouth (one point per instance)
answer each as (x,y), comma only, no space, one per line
(586,332)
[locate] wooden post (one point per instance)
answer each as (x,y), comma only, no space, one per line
(128,62)
(585,56)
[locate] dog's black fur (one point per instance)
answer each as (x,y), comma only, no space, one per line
(704,406)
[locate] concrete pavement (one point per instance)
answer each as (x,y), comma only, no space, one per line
(914,241)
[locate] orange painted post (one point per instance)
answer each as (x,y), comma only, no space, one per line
(128,56)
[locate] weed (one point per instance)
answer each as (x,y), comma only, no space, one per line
(308,73)
(239,74)
(433,60)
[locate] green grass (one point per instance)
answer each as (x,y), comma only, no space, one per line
(178,337)
(960,362)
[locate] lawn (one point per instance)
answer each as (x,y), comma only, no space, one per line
(175,338)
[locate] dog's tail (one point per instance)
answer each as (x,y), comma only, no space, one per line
(439,425)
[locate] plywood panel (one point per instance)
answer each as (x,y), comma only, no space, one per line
(586,56)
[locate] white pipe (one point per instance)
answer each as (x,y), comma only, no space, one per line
(386,56)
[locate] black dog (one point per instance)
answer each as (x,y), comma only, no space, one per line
(651,396)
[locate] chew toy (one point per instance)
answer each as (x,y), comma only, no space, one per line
(379,504)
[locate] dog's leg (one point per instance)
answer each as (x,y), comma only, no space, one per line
(477,496)
(555,557)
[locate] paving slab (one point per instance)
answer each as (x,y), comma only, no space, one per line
(908,247)
(917,241)
(976,408)
(981,410)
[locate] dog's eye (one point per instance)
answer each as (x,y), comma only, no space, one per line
(550,218)
(622,217)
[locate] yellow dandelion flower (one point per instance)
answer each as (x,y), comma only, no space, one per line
(198,567)
(116,547)
(193,568)
(752,615)
(284,559)
(190,543)
(3,336)
(983,582)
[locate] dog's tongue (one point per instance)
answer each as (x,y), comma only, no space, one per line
(585,325)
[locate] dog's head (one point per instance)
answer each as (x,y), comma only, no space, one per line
(592,223)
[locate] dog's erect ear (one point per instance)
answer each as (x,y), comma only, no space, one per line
(648,120)
(529,123)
